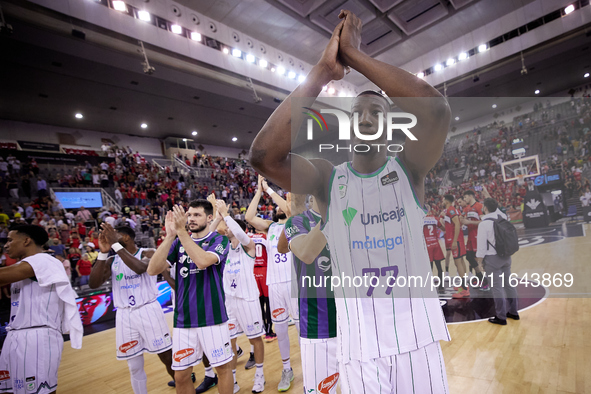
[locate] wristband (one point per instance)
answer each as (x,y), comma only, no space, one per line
(102,256)
(116,247)
(269,191)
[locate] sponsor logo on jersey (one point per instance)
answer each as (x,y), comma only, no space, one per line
(183,353)
(128,345)
(342,190)
(30,383)
(227,348)
(349,214)
(326,384)
(158,342)
(231,326)
(291,231)
(15,303)
(181,249)
(278,312)
(373,243)
(119,277)
(167,339)
(4,375)
(131,277)
(130,287)
(389,178)
(323,263)
(220,249)
(16,290)
(395,214)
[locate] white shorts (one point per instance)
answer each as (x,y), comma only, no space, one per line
(419,371)
(29,361)
(189,344)
(140,330)
(319,365)
(282,304)
(244,317)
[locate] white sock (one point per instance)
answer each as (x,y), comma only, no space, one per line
(237,347)
(283,339)
(234,374)
(252,348)
(209,372)
(139,380)
(259,370)
(287,364)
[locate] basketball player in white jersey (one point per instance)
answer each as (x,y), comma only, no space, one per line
(372,212)
(242,293)
(43,308)
(140,325)
(279,266)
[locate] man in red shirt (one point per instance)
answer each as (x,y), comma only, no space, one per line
(454,241)
(471,219)
(433,246)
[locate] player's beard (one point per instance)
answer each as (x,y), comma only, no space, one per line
(197,229)
(280,216)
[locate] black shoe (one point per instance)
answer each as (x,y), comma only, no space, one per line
(496,320)
(173,384)
(250,363)
(206,384)
(512,316)
(239,352)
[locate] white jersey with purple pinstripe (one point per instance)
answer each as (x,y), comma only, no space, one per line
(374,227)
(131,289)
(238,277)
(278,264)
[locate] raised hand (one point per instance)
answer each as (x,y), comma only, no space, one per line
(264,184)
(109,233)
(222,207)
(170,225)
(350,39)
(104,245)
(260,183)
(329,65)
(288,205)
(180,218)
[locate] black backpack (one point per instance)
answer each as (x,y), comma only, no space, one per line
(506,242)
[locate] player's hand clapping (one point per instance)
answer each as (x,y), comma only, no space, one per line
(329,67)
(170,225)
(109,234)
(180,218)
(350,37)
(222,208)
(104,245)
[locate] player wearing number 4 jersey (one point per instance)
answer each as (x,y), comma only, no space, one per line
(200,318)
(140,325)
(373,217)
(278,276)
(43,307)
(242,303)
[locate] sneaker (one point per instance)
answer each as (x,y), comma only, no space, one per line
(259,383)
(236,387)
(286,379)
(270,337)
(462,293)
(173,384)
(485,288)
(239,352)
(206,384)
(250,363)
(496,320)
(512,316)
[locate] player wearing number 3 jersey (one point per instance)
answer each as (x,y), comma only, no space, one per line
(140,325)
(371,207)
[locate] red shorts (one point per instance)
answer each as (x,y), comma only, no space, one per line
(260,275)
(471,244)
(435,252)
(460,251)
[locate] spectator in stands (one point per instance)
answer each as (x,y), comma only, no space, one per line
(4,219)
(41,187)
(83,214)
(83,268)
(90,251)
(586,198)
(3,166)
(58,248)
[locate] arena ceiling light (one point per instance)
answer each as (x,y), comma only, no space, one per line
(234,139)
(291,75)
(78,116)
(226,50)
(263,63)
(195,36)
(537,91)
(280,70)
(119,6)
(184,139)
(421,75)
(194,132)
(144,16)
(569,9)
(324,88)
(176,29)
(450,61)
(586,75)
(272,69)
(331,90)
(494,106)
(236,52)
(144,126)
(482,47)
(457,118)
(250,58)
(438,67)
(301,78)
(463,56)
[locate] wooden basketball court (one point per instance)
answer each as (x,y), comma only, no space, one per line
(547,351)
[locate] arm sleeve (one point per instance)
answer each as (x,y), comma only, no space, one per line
(237,231)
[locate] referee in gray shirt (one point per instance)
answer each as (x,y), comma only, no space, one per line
(505,296)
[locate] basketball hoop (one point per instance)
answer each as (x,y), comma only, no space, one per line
(520,180)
